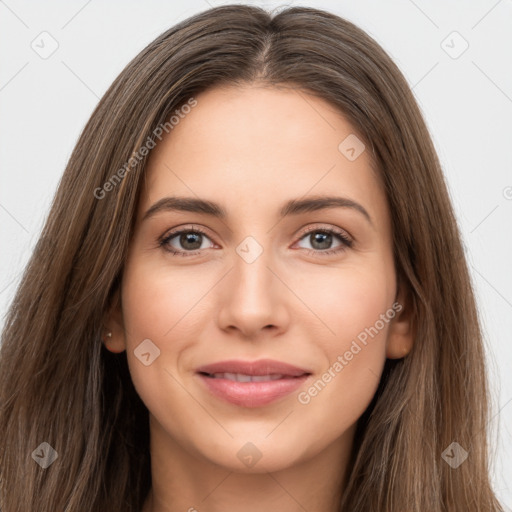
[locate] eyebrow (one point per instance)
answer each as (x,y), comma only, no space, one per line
(291,207)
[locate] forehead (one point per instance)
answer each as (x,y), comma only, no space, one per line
(259,145)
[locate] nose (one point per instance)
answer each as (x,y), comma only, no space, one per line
(253,299)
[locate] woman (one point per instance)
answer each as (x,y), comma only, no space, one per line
(248,371)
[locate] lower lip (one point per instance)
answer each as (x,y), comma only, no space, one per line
(252,394)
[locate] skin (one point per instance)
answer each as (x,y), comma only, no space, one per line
(250,149)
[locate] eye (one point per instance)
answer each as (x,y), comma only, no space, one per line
(321,240)
(189,241)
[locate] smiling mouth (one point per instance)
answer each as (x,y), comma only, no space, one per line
(259,368)
(251,383)
(241,377)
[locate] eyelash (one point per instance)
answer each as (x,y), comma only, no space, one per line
(346,242)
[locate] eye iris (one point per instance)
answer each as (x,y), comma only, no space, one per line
(321,238)
(193,238)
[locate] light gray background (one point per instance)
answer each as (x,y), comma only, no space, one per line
(466,101)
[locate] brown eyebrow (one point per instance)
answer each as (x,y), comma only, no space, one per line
(291,207)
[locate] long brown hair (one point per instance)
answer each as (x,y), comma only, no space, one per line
(58,383)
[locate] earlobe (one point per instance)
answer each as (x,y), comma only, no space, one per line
(113,337)
(112,344)
(400,338)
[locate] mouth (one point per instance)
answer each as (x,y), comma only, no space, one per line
(241,377)
(251,384)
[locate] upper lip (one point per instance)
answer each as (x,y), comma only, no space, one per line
(259,367)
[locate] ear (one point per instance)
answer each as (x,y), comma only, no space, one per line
(113,336)
(401,333)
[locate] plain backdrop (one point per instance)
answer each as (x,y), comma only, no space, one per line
(456,57)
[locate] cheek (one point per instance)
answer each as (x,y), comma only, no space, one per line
(157,306)
(156,302)
(352,304)
(347,301)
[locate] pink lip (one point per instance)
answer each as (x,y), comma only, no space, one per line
(252,394)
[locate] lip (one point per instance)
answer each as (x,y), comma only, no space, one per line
(252,394)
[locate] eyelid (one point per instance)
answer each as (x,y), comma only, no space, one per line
(328,228)
(184,228)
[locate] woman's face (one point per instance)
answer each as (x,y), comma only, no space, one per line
(314,288)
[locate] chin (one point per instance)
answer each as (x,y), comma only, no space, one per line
(253,456)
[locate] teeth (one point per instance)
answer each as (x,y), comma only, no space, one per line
(240,377)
